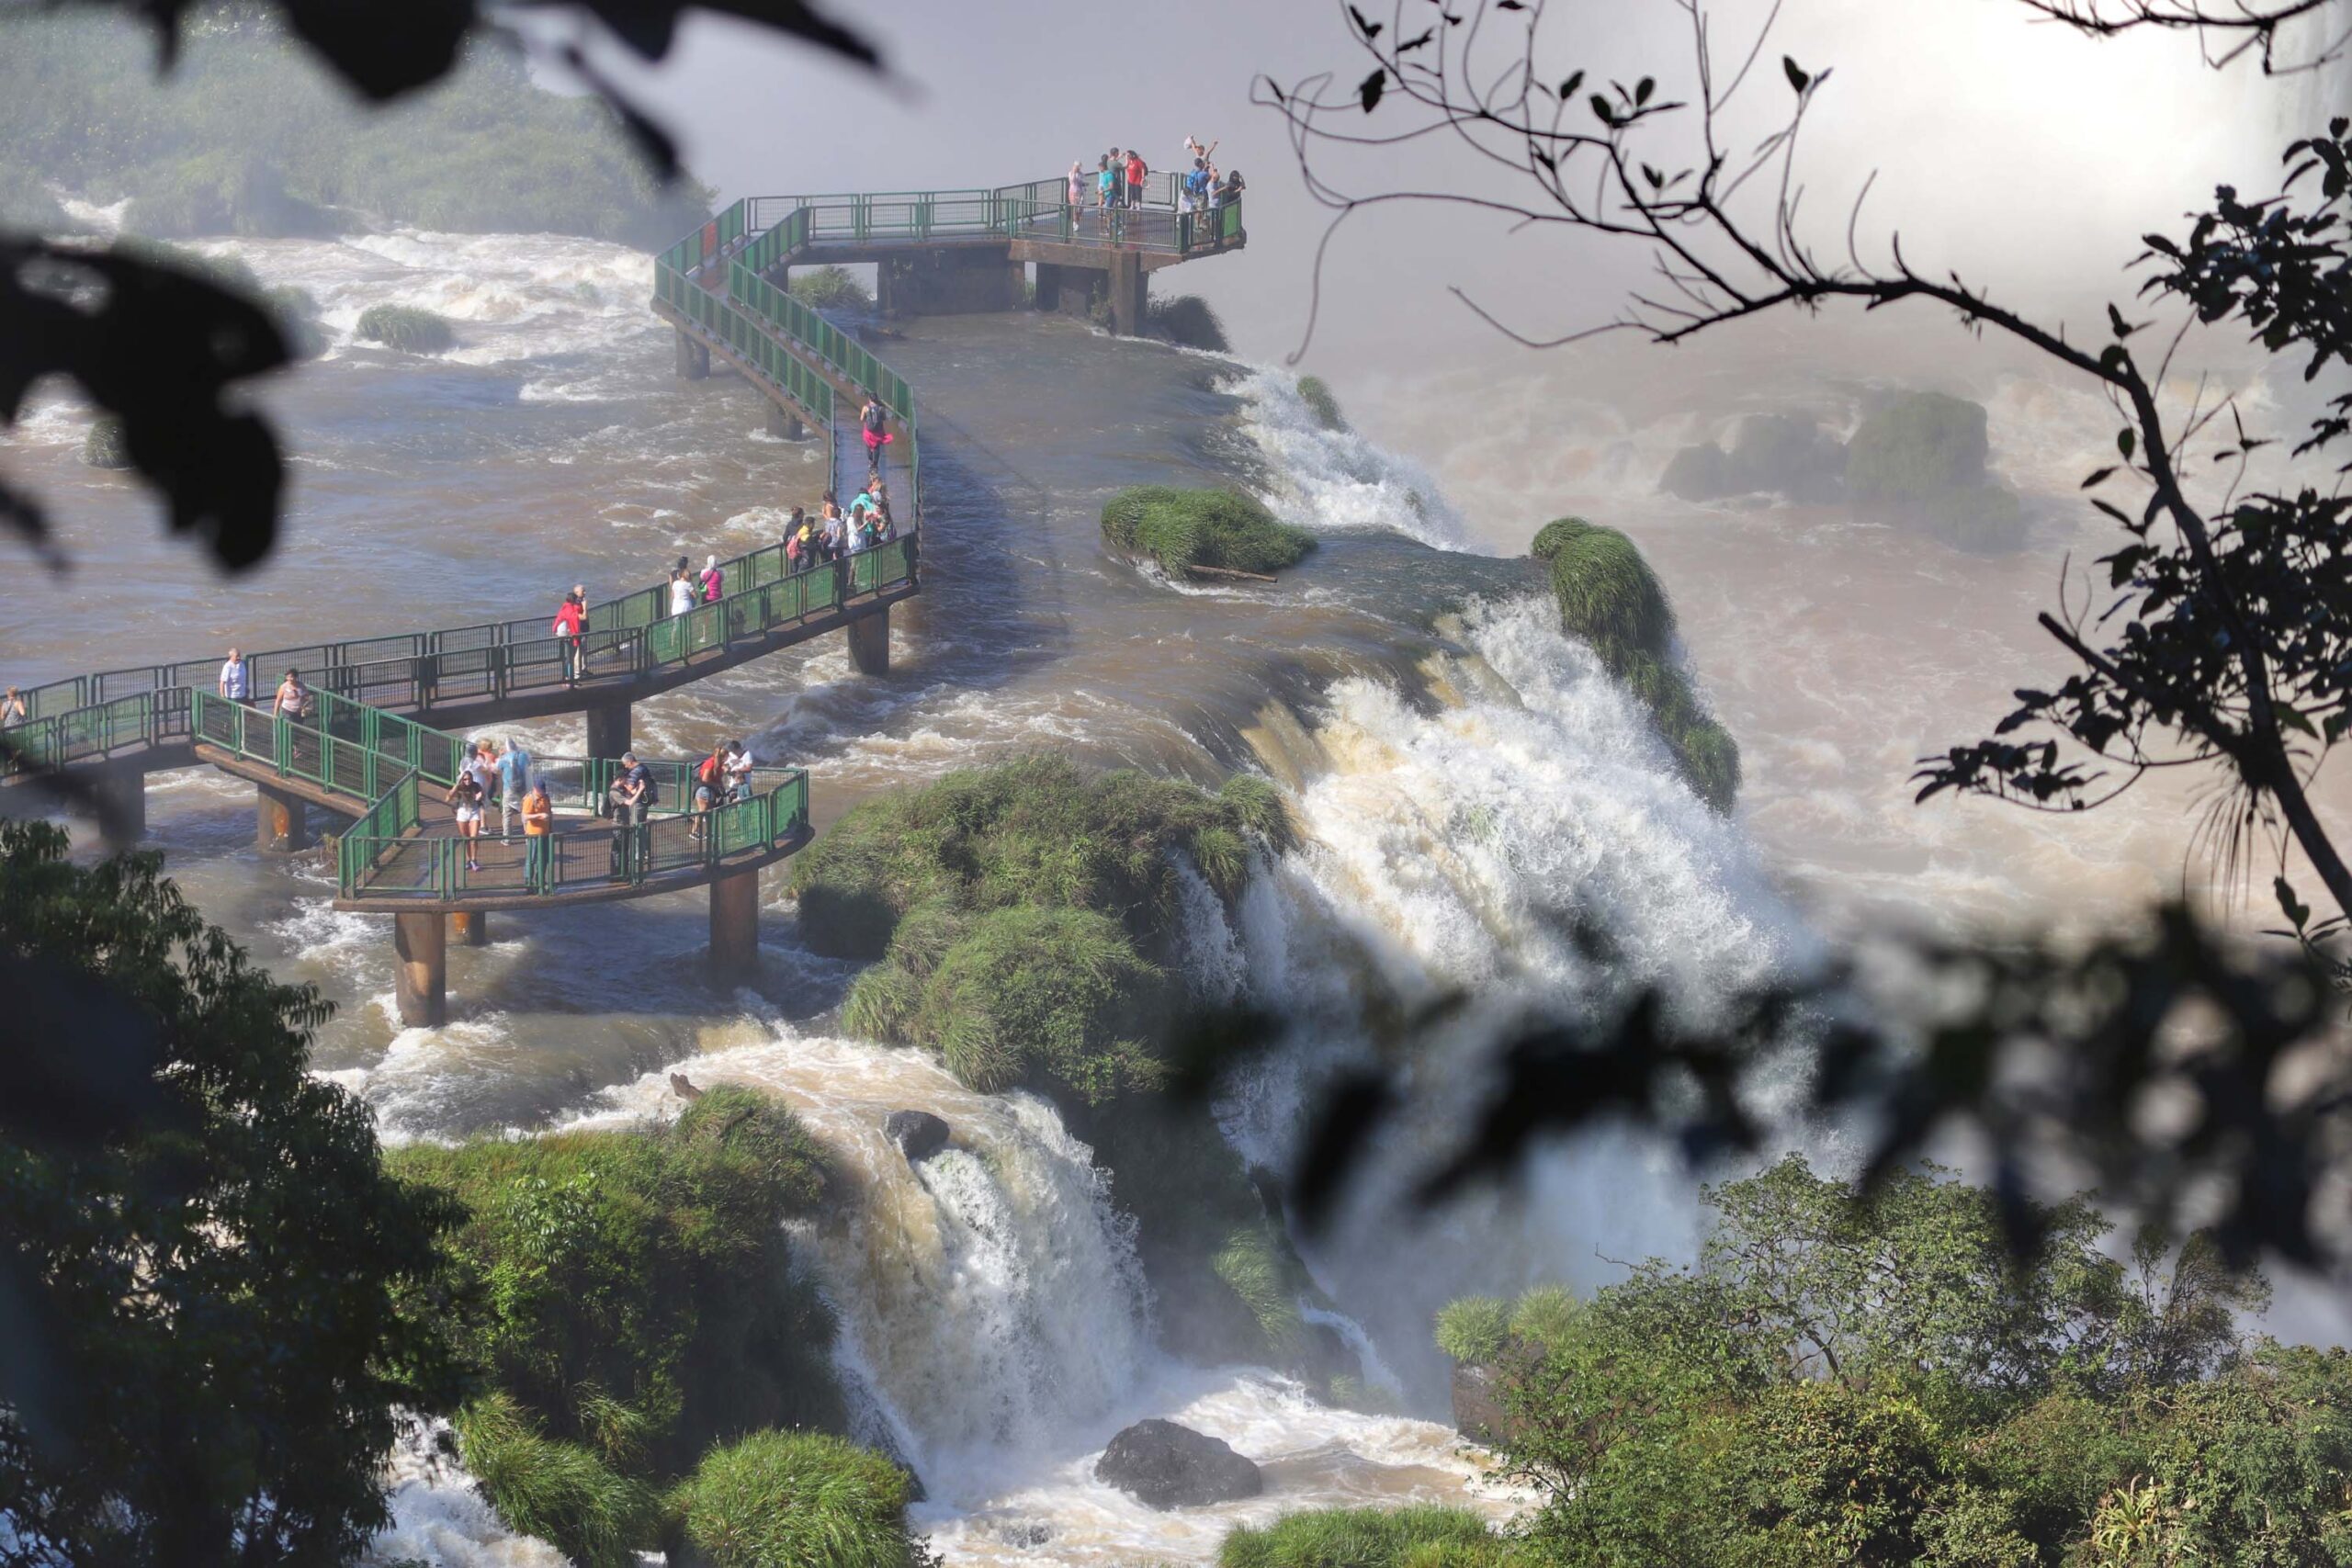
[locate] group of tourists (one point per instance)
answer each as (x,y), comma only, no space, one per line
(498,773)
(1120,175)
(839,531)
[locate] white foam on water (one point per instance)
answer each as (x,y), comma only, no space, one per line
(440,1520)
(1335,480)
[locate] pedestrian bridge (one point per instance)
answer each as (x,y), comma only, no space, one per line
(385,738)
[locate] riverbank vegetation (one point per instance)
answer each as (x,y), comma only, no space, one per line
(1875,1377)
(630,1301)
(1212,530)
(830,288)
(1610,599)
(1419,1537)
(1188,322)
(247,137)
(1027,923)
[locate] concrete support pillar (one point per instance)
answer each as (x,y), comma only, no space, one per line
(694,356)
(1130,293)
(281,820)
(122,810)
(421,966)
(785,423)
(469,927)
(1049,287)
(869,643)
(735,927)
(608,729)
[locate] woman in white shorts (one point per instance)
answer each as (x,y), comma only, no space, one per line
(465,796)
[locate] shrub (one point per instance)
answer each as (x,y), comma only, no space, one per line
(1187,319)
(1257,1266)
(797,1500)
(1034,831)
(1182,529)
(559,1492)
(631,1290)
(1916,447)
(1421,1537)
(830,288)
(1610,598)
(406,329)
(1474,1329)
(1316,393)
(104,447)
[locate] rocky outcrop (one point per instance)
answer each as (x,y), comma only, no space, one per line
(918,1134)
(1166,1466)
(1478,1414)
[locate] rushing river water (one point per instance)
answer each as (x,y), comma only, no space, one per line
(1473,792)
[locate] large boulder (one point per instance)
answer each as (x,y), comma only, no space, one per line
(1478,1413)
(918,1134)
(1167,1466)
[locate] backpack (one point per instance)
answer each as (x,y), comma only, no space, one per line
(874,418)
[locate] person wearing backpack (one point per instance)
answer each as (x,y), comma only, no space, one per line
(710,783)
(874,420)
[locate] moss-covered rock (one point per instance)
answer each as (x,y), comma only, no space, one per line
(1610,598)
(1421,1537)
(104,447)
(628,1296)
(830,288)
(797,1500)
(1786,455)
(1183,529)
(559,1492)
(298,317)
(1316,394)
(1918,446)
(406,328)
(1187,319)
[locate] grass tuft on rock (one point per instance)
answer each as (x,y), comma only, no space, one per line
(1316,393)
(556,1490)
(1474,1329)
(797,1500)
(1182,529)
(406,329)
(1187,320)
(104,447)
(1610,599)
(830,288)
(1259,1270)
(1420,1537)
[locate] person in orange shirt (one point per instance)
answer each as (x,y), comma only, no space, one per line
(538,837)
(1135,177)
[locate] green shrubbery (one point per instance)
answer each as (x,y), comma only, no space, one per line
(406,328)
(1875,1378)
(632,1301)
(1026,918)
(1187,319)
(247,136)
(1182,529)
(1421,1537)
(1608,597)
(830,288)
(798,1500)
(1316,393)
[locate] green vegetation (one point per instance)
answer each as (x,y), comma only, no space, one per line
(1187,319)
(218,1301)
(1422,1537)
(1922,457)
(1608,597)
(1326,408)
(1874,1378)
(1026,918)
(246,136)
(406,328)
(830,288)
(103,446)
(630,1300)
(798,1500)
(1183,529)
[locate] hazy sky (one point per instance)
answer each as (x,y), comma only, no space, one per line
(2019,152)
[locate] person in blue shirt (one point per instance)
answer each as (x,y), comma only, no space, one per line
(513,776)
(234,684)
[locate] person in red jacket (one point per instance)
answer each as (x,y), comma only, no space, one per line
(1135,177)
(568,620)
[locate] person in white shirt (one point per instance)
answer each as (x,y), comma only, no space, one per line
(739,770)
(234,686)
(682,593)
